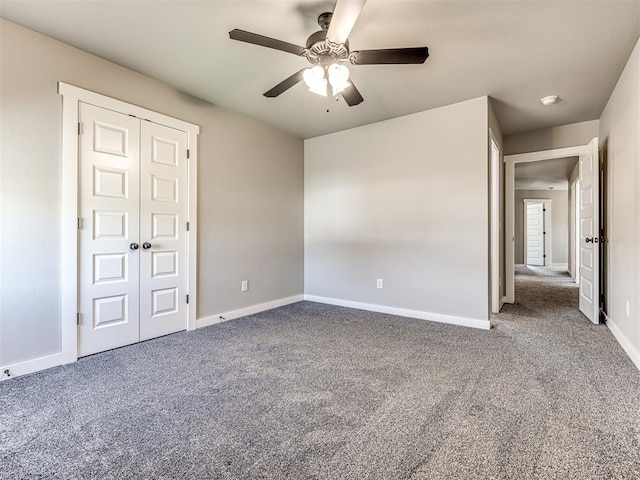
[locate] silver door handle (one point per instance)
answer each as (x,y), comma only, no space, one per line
(146,246)
(133,246)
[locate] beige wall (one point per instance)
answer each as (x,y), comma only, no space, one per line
(620,127)
(404,200)
(250,195)
(551,138)
(559,223)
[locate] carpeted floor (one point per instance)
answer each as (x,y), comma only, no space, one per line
(323,392)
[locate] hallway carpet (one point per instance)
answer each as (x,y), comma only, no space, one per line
(323,392)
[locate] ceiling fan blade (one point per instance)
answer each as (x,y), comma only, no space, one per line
(263,41)
(351,95)
(390,56)
(285,84)
(343,19)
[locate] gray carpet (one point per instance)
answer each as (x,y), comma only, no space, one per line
(316,391)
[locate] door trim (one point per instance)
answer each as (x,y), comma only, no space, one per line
(546,202)
(494,169)
(71,96)
(509,202)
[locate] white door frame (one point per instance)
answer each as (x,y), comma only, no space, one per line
(71,95)
(547,228)
(496,301)
(576,231)
(509,204)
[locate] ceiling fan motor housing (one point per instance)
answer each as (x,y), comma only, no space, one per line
(324,52)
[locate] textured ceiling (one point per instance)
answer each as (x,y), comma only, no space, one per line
(514,51)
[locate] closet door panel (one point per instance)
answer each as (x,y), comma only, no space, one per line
(109,162)
(163,217)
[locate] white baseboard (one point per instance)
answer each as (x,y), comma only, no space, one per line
(402,312)
(519,265)
(31,366)
(503,300)
(243,312)
(560,265)
(626,345)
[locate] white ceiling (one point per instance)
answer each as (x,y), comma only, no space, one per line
(515,51)
(544,175)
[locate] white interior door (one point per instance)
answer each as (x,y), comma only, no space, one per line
(133,235)
(163,228)
(109,160)
(535,233)
(588,269)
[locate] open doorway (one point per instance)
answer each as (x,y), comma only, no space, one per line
(542,205)
(604,229)
(576,250)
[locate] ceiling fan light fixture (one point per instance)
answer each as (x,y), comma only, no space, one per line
(314,78)
(338,77)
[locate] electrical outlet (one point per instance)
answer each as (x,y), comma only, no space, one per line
(626,308)
(244,286)
(379,283)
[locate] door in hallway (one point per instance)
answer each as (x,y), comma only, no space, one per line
(535,233)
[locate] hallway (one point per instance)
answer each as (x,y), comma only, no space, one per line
(546,291)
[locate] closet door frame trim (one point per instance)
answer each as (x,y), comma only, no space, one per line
(71,96)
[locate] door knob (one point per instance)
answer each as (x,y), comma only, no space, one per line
(133,246)
(591,239)
(146,246)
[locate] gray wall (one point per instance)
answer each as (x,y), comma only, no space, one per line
(405,200)
(551,138)
(559,223)
(250,191)
(620,125)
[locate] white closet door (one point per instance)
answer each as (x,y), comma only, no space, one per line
(109,161)
(163,231)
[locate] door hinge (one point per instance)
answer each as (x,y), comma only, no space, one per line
(187,226)
(544,256)
(187,298)
(79,223)
(79,128)
(78,318)
(187,153)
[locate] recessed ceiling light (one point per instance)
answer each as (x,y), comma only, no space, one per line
(550,100)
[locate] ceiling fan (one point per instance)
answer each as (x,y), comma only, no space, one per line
(328,50)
